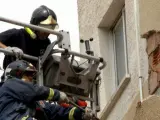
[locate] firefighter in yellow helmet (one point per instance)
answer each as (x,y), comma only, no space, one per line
(29,41)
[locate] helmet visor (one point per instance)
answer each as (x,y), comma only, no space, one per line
(49,23)
(51,26)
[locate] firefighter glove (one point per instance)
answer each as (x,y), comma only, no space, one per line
(63,98)
(17,51)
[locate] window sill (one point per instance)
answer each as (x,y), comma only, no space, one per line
(115,97)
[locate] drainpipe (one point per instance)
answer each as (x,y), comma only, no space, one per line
(136,13)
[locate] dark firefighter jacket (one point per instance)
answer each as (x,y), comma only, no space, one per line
(19,101)
(20,38)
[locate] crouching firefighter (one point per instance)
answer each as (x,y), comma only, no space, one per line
(20,99)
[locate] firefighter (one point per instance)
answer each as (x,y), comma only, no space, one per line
(29,41)
(22,100)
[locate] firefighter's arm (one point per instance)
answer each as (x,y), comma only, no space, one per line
(8,40)
(57,112)
(27,92)
(45,93)
(6,37)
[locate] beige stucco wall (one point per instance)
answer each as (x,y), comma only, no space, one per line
(149,12)
(131,91)
(91,14)
(149,15)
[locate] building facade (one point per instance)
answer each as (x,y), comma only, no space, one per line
(116,27)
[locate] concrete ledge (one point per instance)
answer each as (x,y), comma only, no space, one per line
(108,108)
(112,14)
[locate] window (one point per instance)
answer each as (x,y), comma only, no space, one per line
(120,48)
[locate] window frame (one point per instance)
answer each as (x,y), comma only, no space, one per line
(123,18)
